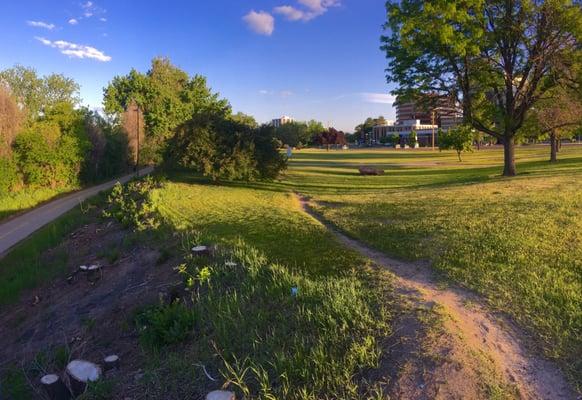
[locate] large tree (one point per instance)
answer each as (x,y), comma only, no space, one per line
(167,95)
(37,95)
(496,57)
(554,117)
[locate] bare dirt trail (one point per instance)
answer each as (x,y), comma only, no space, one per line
(495,336)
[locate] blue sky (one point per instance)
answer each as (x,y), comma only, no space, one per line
(308,59)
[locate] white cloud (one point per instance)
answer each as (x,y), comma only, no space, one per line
(73,21)
(291,13)
(103,19)
(286,93)
(41,24)
(379,98)
(75,50)
(260,22)
(264,92)
(313,9)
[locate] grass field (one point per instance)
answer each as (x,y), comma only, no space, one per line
(517,241)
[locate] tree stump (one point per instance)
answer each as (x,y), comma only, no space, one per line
(220,395)
(94,273)
(111,363)
(55,387)
(201,251)
(80,373)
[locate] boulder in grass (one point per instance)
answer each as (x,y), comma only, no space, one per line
(370,171)
(220,395)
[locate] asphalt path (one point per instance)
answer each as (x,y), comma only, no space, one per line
(20,227)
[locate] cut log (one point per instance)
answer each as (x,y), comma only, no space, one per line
(94,273)
(55,387)
(111,362)
(370,171)
(230,264)
(201,250)
(80,373)
(84,268)
(220,395)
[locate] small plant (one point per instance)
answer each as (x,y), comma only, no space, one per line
(135,204)
(164,325)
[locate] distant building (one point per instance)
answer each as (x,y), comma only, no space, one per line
(443,112)
(424,132)
(281,121)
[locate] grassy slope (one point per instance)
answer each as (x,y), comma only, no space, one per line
(518,241)
(319,343)
(12,203)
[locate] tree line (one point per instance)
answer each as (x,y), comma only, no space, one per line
(162,116)
(47,139)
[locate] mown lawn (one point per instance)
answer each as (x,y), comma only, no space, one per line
(518,241)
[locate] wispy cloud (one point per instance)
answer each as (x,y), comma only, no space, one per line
(286,93)
(310,9)
(73,21)
(380,98)
(283,93)
(75,50)
(260,22)
(41,24)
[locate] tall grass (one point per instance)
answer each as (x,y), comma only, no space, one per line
(267,342)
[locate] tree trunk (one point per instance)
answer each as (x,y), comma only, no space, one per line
(554,147)
(509,156)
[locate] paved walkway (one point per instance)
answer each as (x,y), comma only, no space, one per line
(22,226)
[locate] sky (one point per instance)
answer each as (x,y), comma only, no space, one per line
(309,59)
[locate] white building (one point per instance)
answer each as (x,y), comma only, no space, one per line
(403,129)
(281,121)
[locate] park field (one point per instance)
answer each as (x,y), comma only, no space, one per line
(517,241)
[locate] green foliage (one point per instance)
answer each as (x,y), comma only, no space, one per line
(168,96)
(459,50)
(223,149)
(8,174)
(459,139)
(269,341)
(135,204)
(14,385)
(395,139)
(39,94)
(165,324)
(412,139)
(294,134)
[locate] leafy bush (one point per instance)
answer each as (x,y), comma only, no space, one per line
(224,149)
(135,204)
(8,174)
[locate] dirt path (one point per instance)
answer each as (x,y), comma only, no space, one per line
(18,228)
(496,336)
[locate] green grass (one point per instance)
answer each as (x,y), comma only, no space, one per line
(25,268)
(22,200)
(517,241)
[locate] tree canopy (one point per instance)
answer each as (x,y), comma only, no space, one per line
(497,58)
(167,95)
